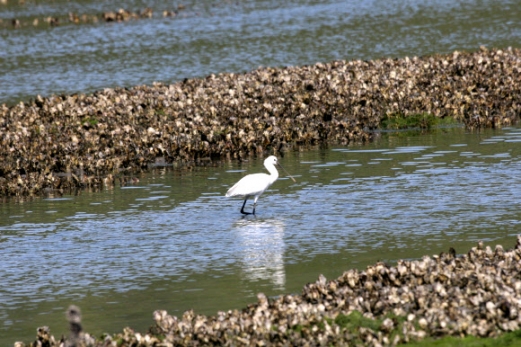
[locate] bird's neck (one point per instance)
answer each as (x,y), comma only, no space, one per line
(274,174)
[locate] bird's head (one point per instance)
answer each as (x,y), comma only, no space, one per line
(273,161)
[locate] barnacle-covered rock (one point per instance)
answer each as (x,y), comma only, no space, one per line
(73,141)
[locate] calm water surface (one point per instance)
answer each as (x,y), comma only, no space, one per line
(174,242)
(224,36)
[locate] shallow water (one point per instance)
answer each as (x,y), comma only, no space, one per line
(174,242)
(221,36)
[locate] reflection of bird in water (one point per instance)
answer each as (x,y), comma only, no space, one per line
(255,184)
(261,248)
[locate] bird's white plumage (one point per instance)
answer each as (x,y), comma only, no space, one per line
(255,184)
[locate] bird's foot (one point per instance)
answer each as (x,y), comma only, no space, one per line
(246,213)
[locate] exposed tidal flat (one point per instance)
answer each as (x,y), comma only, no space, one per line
(66,142)
(477,293)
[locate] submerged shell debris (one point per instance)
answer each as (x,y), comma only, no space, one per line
(120,15)
(87,140)
(478,293)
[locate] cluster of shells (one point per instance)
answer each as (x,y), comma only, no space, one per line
(478,293)
(121,15)
(79,140)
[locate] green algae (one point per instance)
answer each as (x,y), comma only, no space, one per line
(418,121)
(505,340)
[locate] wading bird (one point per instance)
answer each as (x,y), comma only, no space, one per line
(256,184)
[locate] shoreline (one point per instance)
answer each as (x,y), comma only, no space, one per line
(477,293)
(68,142)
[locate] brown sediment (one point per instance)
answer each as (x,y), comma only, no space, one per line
(120,15)
(478,293)
(88,140)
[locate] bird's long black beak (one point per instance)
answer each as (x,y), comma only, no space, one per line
(286,172)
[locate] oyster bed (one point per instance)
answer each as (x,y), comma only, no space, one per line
(87,140)
(478,293)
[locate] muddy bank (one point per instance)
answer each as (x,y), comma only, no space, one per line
(67,142)
(477,293)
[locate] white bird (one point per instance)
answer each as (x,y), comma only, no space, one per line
(256,184)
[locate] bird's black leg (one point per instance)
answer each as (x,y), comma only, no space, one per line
(244,204)
(254,205)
